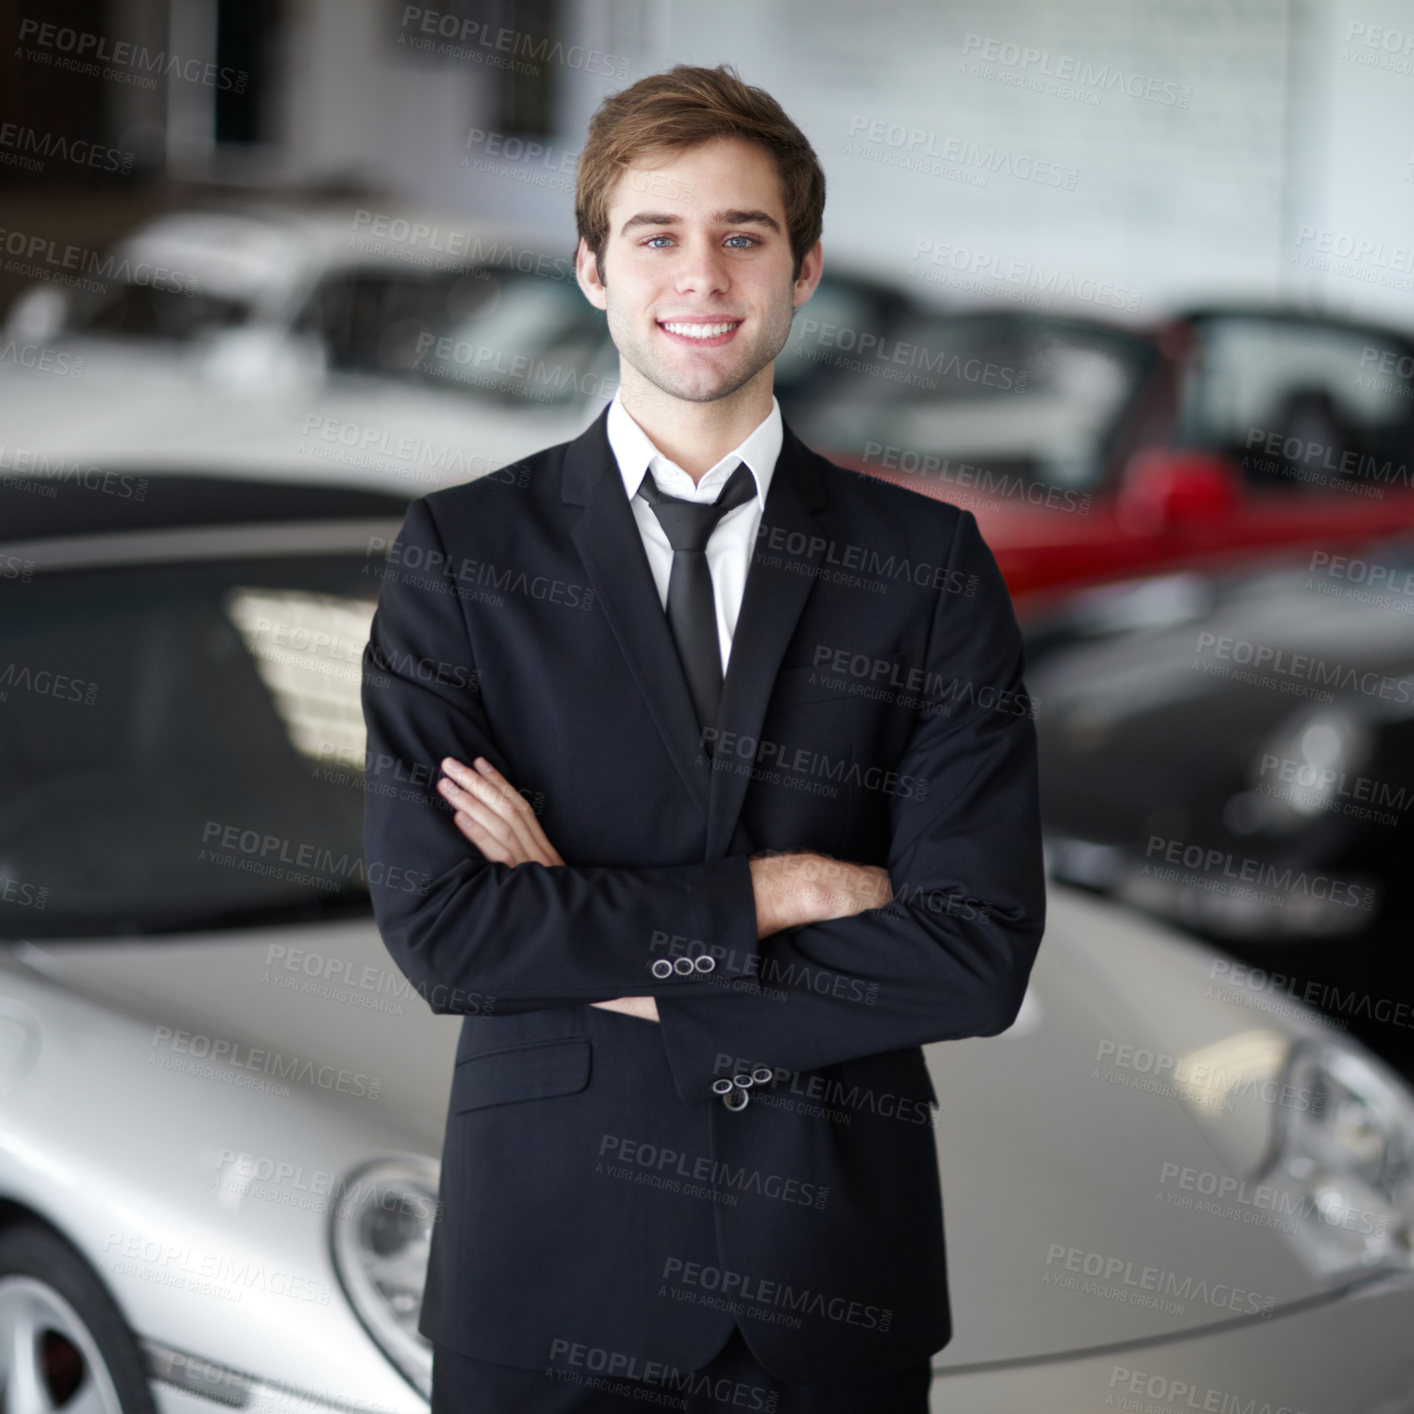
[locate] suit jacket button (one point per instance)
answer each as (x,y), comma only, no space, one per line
(662,968)
(736,1099)
(722,1087)
(743,1081)
(704,962)
(763,1075)
(683,967)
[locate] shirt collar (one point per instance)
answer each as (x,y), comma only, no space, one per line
(635,453)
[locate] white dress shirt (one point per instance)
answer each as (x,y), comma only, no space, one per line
(732,540)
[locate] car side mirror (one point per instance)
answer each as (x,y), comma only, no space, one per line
(1170,487)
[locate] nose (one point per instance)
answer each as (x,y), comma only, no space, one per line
(701,267)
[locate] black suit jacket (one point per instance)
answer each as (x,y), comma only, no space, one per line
(596,1196)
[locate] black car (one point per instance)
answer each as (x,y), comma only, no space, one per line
(181,654)
(1237,752)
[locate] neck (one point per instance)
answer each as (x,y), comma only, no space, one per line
(696,435)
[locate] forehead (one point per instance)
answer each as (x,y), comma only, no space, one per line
(698,181)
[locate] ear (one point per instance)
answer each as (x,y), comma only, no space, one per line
(586,273)
(810,270)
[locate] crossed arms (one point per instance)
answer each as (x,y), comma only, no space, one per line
(790,890)
(948,956)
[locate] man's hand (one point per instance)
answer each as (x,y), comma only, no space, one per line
(795,889)
(498,820)
(493,815)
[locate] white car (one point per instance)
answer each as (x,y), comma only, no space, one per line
(406,350)
(409,349)
(1166,1186)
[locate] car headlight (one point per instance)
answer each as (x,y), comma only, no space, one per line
(381,1232)
(1301,770)
(1340,1171)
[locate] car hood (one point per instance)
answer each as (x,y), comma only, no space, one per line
(328,992)
(1060,1156)
(1052,1155)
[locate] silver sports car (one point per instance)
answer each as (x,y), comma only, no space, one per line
(1168,1186)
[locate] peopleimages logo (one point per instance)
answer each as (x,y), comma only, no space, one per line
(1232,1197)
(451,34)
(597,1367)
(1075,70)
(1204,1083)
(44,682)
(1118,1276)
(1298,668)
(773,1298)
(702,1168)
(220,1052)
(1218,865)
(1182,1394)
(211,1273)
(128,60)
(31,148)
(868,561)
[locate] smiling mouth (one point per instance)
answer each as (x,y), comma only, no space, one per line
(700,331)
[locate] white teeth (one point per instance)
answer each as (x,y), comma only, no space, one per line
(700,331)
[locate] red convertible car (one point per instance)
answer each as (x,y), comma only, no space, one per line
(1091,452)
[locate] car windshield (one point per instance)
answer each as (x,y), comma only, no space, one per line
(188,276)
(1301,405)
(181,746)
(165,315)
(1021,397)
(496,334)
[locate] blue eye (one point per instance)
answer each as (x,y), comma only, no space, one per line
(651,243)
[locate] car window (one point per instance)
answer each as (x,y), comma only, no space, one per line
(181,746)
(1030,400)
(167,315)
(1300,405)
(495,334)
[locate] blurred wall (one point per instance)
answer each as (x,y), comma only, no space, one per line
(1118,156)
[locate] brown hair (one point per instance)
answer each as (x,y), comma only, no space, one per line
(682,108)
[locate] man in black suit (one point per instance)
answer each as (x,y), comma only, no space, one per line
(773,711)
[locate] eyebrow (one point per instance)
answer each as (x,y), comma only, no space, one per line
(720,218)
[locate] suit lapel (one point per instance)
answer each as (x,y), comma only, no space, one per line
(778,582)
(609,542)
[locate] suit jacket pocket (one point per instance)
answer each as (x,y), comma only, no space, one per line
(535,1071)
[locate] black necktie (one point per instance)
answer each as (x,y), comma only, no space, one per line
(692,611)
